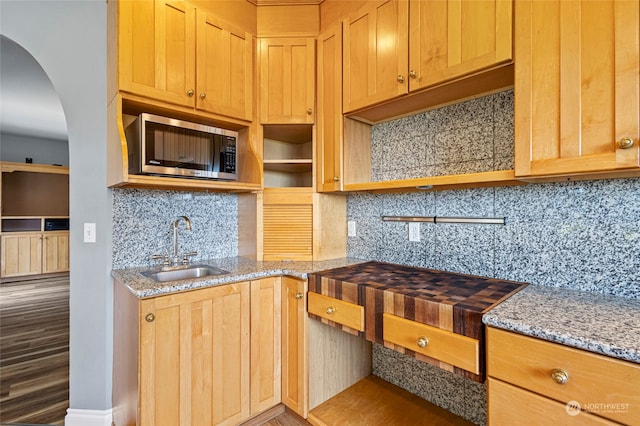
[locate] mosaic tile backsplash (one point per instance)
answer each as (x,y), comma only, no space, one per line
(578,235)
(142,225)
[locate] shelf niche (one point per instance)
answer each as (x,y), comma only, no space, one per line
(288,155)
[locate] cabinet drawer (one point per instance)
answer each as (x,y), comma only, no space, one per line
(455,349)
(336,310)
(591,379)
(509,405)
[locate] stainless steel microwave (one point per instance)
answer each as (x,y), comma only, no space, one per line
(165,146)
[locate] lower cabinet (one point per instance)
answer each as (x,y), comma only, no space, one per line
(194,357)
(532,381)
(295,371)
(34,253)
(211,356)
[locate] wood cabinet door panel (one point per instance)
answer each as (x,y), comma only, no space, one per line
(287,80)
(55,252)
(294,346)
(375,54)
(330,127)
(21,254)
(156,42)
(225,68)
(449,39)
(266,347)
(578,85)
(194,362)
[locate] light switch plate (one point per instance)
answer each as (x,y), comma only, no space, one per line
(89,232)
(414,231)
(351,228)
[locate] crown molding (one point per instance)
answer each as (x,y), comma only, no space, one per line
(285,2)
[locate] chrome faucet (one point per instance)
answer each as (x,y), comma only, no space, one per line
(176,258)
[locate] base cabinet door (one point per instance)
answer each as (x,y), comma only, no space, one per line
(578,87)
(295,371)
(21,254)
(194,357)
(55,252)
(265,344)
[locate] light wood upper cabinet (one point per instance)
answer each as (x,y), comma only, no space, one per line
(287,80)
(225,68)
(156,56)
(375,54)
(295,369)
(577,87)
(194,357)
(265,344)
(330,128)
(158,42)
(452,38)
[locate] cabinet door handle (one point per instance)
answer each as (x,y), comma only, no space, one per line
(400,79)
(336,179)
(299,295)
(150,317)
(330,310)
(203,95)
(422,342)
(190,93)
(625,143)
(309,111)
(412,74)
(559,376)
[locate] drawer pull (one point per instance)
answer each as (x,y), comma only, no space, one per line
(299,295)
(422,342)
(559,376)
(330,310)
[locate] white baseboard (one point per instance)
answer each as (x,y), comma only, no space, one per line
(76,417)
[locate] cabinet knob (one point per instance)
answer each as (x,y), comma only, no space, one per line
(330,310)
(299,295)
(336,178)
(309,111)
(190,93)
(150,317)
(412,74)
(422,342)
(203,95)
(559,376)
(400,79)
(625,143)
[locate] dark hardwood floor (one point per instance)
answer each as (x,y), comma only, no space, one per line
(34,350)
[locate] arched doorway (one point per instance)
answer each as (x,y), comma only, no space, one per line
(34,283)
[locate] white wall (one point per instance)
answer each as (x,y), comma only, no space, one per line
(68,39)
(43,151)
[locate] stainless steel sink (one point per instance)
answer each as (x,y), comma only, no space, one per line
(194,271)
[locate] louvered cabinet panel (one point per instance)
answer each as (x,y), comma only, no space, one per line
(288,232)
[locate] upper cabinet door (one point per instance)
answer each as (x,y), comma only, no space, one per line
(330,129)
(225,68)
(156,41)
(287,80)
(375,55)
(452,38)
(577,87)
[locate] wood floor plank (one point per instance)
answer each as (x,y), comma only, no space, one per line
(34,350)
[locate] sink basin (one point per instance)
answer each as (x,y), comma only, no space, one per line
(194,271)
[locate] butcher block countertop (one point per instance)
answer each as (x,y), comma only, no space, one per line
(446,300)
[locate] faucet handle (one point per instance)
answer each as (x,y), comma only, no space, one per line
(185,258)
(164,257)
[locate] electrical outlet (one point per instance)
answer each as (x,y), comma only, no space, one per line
(351,228)
(89,232)
(414,231)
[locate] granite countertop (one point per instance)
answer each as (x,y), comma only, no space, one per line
(607,325)
(240,269)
